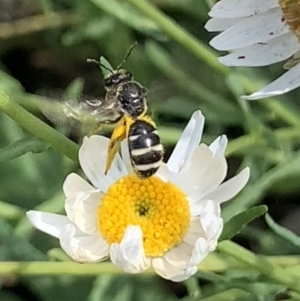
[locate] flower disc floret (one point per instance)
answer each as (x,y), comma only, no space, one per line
(160,209)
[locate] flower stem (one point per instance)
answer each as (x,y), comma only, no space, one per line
(261,264)
(38,128)
(213,263)
(179,34)
(38,23)
(231,294)
(10,211)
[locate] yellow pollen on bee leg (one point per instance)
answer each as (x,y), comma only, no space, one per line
(160,209)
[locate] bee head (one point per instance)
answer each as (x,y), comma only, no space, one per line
(115,78)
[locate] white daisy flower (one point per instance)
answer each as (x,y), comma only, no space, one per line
(259,33)
(170,221)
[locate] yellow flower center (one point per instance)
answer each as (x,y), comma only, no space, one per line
(160,209)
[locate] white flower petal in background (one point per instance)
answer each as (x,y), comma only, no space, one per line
(257,33)
(241,8)
(112,218)
(289,81)
(259,28)
(273,51)
(220,24)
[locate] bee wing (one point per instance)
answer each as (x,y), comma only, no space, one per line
(81,111)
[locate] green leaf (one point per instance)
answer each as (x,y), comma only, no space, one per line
(10,211)
(8,84)
(254,191)
(129,16)
(283,232)
(239,221)
(95,29)
(22,147)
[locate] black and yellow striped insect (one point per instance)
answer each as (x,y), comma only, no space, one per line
(124,105)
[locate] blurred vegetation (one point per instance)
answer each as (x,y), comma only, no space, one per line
(44,47)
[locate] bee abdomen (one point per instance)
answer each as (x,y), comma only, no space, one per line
(145,149)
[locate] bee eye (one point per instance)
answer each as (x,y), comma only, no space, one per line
(107,82)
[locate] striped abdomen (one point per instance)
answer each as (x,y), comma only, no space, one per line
(145,149)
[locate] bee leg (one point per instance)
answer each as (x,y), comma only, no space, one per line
(117,136)
(99,125)
(95,129)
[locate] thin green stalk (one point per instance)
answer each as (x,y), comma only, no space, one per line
(10,211)
(56,268)
(241,143)
(38,128)
(231,294)
(193,288)
(38,23)
(212,262)
(180,35)
(285,113)
(261,264)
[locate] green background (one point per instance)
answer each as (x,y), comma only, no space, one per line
(44,45)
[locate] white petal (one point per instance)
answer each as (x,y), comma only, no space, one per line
(256,29)
(219,144)
(241,8)
(129,255)
(204,172)
(74,184)
(92,158)
(49,223)
(228,189)
(289,81)
(81,209)
(81,247)
(168,271)
(213,226)
(185,255)
(194,232)
(164,173)
(200,207)
(200,251)
(180,255)
(220,24)
(187,143)
(125,155)
(194,170)
(263,54)
(208,213)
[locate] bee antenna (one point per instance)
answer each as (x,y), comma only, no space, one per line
(127,55)
(98,63)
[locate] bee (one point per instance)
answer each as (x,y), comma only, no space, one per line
(125,106)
